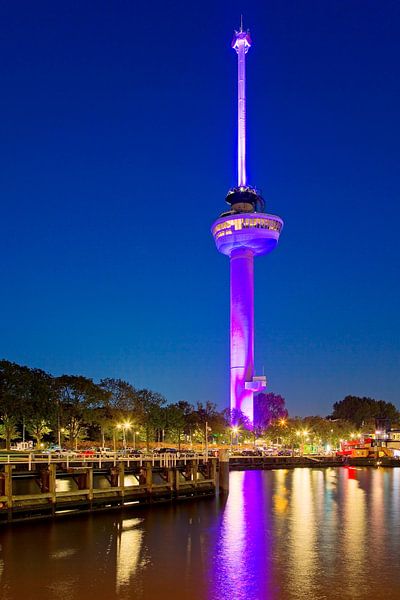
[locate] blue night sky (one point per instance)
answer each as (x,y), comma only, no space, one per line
(117,143)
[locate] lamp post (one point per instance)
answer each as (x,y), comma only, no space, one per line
(135,433)
(304,434)
(118,427)
(235,431)
(207,429)
(125,427)
(60,431)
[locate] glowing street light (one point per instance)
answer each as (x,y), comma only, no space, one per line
(234,432)
(124,427)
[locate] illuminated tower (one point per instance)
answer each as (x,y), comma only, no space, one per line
(243,232)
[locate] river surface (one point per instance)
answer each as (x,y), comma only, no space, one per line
(302,534)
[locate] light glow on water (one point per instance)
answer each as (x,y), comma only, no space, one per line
(302,534)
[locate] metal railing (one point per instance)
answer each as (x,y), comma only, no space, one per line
(70,458)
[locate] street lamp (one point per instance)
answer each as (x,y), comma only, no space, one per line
(207,429)
(235,431)
(125,426)
(119,427)
(60,431)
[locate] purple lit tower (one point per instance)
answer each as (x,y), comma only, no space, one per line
(243,232)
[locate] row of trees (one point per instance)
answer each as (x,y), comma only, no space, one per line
(73,408)
(362,412)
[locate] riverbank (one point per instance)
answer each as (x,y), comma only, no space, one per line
(245,463)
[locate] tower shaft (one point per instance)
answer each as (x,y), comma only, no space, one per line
(241,52)
(242,330)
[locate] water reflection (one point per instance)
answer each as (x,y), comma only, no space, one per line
(280,497)
(303,534)
(354,523)
(129,542)
(240,564)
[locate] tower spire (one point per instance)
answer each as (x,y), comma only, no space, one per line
(241,43)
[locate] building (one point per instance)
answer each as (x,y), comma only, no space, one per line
(242,233)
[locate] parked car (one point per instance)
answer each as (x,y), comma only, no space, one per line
(165,451)
(87,452)
(251,453)
(104,450)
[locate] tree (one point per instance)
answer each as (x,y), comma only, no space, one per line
(77,397)
(120,395)
(363,411)
(39,402)
(8,430)
(236,424)
(25,394)
(118,406)
(207,416)
(13,390)
(38,428)
(148,407)
(178,419)
(267,408)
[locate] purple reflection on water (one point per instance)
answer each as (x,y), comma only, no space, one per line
(242,559)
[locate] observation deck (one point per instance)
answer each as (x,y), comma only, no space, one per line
(258,232)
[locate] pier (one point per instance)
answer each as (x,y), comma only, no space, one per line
(39,486)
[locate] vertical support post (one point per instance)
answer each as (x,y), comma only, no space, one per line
(52,484)
(213,471)
(44,480)
(223,472)
(121,478)
(114,476)
(8,489)
(171,479)
(195,466)
(149,477)
(89,483)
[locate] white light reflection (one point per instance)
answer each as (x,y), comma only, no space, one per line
(63,553)
(129,543)
(354,523)
(280,498)
(302,536)
(376,533)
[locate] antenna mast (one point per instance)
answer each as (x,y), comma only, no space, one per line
(241,43)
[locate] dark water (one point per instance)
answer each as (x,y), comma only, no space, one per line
(304,534)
